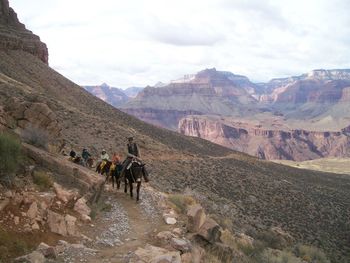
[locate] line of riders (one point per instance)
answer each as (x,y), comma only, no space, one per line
(132,169)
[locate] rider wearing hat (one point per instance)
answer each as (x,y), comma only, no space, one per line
(104,158)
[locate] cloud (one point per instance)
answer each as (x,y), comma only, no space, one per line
(138,43)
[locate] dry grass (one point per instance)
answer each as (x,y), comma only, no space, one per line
(42,180)
(10,246)
(181,202)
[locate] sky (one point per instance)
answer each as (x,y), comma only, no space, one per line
(141,42)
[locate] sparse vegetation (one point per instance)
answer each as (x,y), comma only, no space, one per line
(36,136)
(42,180)
(311,254)
(10,154)
(10,246)
(181,202)
(277,256)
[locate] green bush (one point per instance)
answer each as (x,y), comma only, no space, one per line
(311,254)
(10,154)
(42,180)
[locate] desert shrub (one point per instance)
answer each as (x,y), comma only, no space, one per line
(181,202)
(277,256)
(272,239)
(36,136)
(10,246)
(311,254)
(10,155)
(42,180)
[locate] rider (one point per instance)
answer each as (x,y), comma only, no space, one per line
(85,155)
(72,155)
(133,151)
(104,158)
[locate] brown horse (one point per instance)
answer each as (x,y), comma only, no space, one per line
(133,173)
(115,174)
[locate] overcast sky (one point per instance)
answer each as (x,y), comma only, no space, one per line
(140,42)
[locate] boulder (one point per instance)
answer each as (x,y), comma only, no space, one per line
(46,250)
(16,220)
(169,219)
(164,237)
(70,223)
(82,208)
(34,257)
(62,225)
(210,231)
(182,245)
(153,254)
(196,218)
(4,203)
(33,210)
(35,226)
(64,195)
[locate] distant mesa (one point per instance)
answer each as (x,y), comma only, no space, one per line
(112,95)
(226,108)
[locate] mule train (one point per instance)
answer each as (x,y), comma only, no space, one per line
(131,171)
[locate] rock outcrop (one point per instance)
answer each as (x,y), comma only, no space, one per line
(113,96)
(208,92)
(298,145)
(14,35)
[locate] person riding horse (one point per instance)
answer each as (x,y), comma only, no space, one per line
(85,155)
(134,152)
(104,158)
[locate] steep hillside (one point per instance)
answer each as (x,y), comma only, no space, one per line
(250,194)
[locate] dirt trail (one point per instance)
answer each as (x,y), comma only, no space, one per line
(143,222)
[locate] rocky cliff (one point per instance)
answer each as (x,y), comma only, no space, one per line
(14,35)
(208,92)
(298,145)
(113,96)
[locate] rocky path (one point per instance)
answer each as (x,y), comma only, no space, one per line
(115,234)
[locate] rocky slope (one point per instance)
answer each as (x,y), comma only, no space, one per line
(250,195)
(265,143)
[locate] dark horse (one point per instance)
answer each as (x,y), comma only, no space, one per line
(104,169)
(133,173)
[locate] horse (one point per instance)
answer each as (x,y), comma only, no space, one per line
(133,173)
(115,174)
(89,162)
(105,168)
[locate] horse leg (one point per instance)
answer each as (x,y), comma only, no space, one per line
(131,189)
(125,185)
(118,181)
(138,191)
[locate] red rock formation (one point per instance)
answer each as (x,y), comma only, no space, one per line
(298,145)
(14,35)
